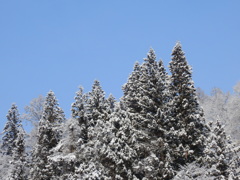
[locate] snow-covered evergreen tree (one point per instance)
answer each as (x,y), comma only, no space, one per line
(111,103)
(221,154)
(117,154)
(79,114)
(131,90)
(96,105)
(153,86)
(187,125)
(11,130)
(97,116)
(157,131)
(146,96)
(9,142)
(75,134)
(19,169)
(49,134)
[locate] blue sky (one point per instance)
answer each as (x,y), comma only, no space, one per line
(58,45)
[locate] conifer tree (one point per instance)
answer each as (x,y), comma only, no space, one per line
(49,134)
(79,114)
(148,80)
(97,116)
(75,134)
(131,90)
(11,130)
(96,105)
(111,102)
(187,125)
(117,154)
(19,157)
(221,154)
(146,96)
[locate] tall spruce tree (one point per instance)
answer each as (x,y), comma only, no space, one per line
(187,129)
(96,105)
(97,116)
(10,130)
(49,134)
(117,154)
(19,169)
(79,114)
(131,90)
(146,97)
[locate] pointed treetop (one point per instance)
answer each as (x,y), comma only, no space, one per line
(96,83)
(78,97)
(10,130)
(162,71)
(50,93)
(178,45)
(177,51)
(79,94)
(136,66)
(179,61)
(161,66)
(97,89)
(13,114)
(50,98)
(78,106)
(151,57)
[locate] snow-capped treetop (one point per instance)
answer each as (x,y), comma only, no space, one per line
(49,135)
(187,118)
(78,107)
(10,130)
(151,57)
(181,71)
(96,104)
(51,110)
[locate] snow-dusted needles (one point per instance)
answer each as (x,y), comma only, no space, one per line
(157,131)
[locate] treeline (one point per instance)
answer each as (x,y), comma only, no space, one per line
(224,107)
(156,131)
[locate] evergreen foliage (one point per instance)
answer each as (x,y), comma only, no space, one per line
(75,134)
(220,153)
(10,130)
(19,157)
(187,121)
(95,123)
(148,86)
(156,131)
(131,90)
(79,115)
(49,134)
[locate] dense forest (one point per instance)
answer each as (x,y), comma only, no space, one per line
(162,128)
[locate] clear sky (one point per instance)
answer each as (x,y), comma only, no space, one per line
(58,45)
